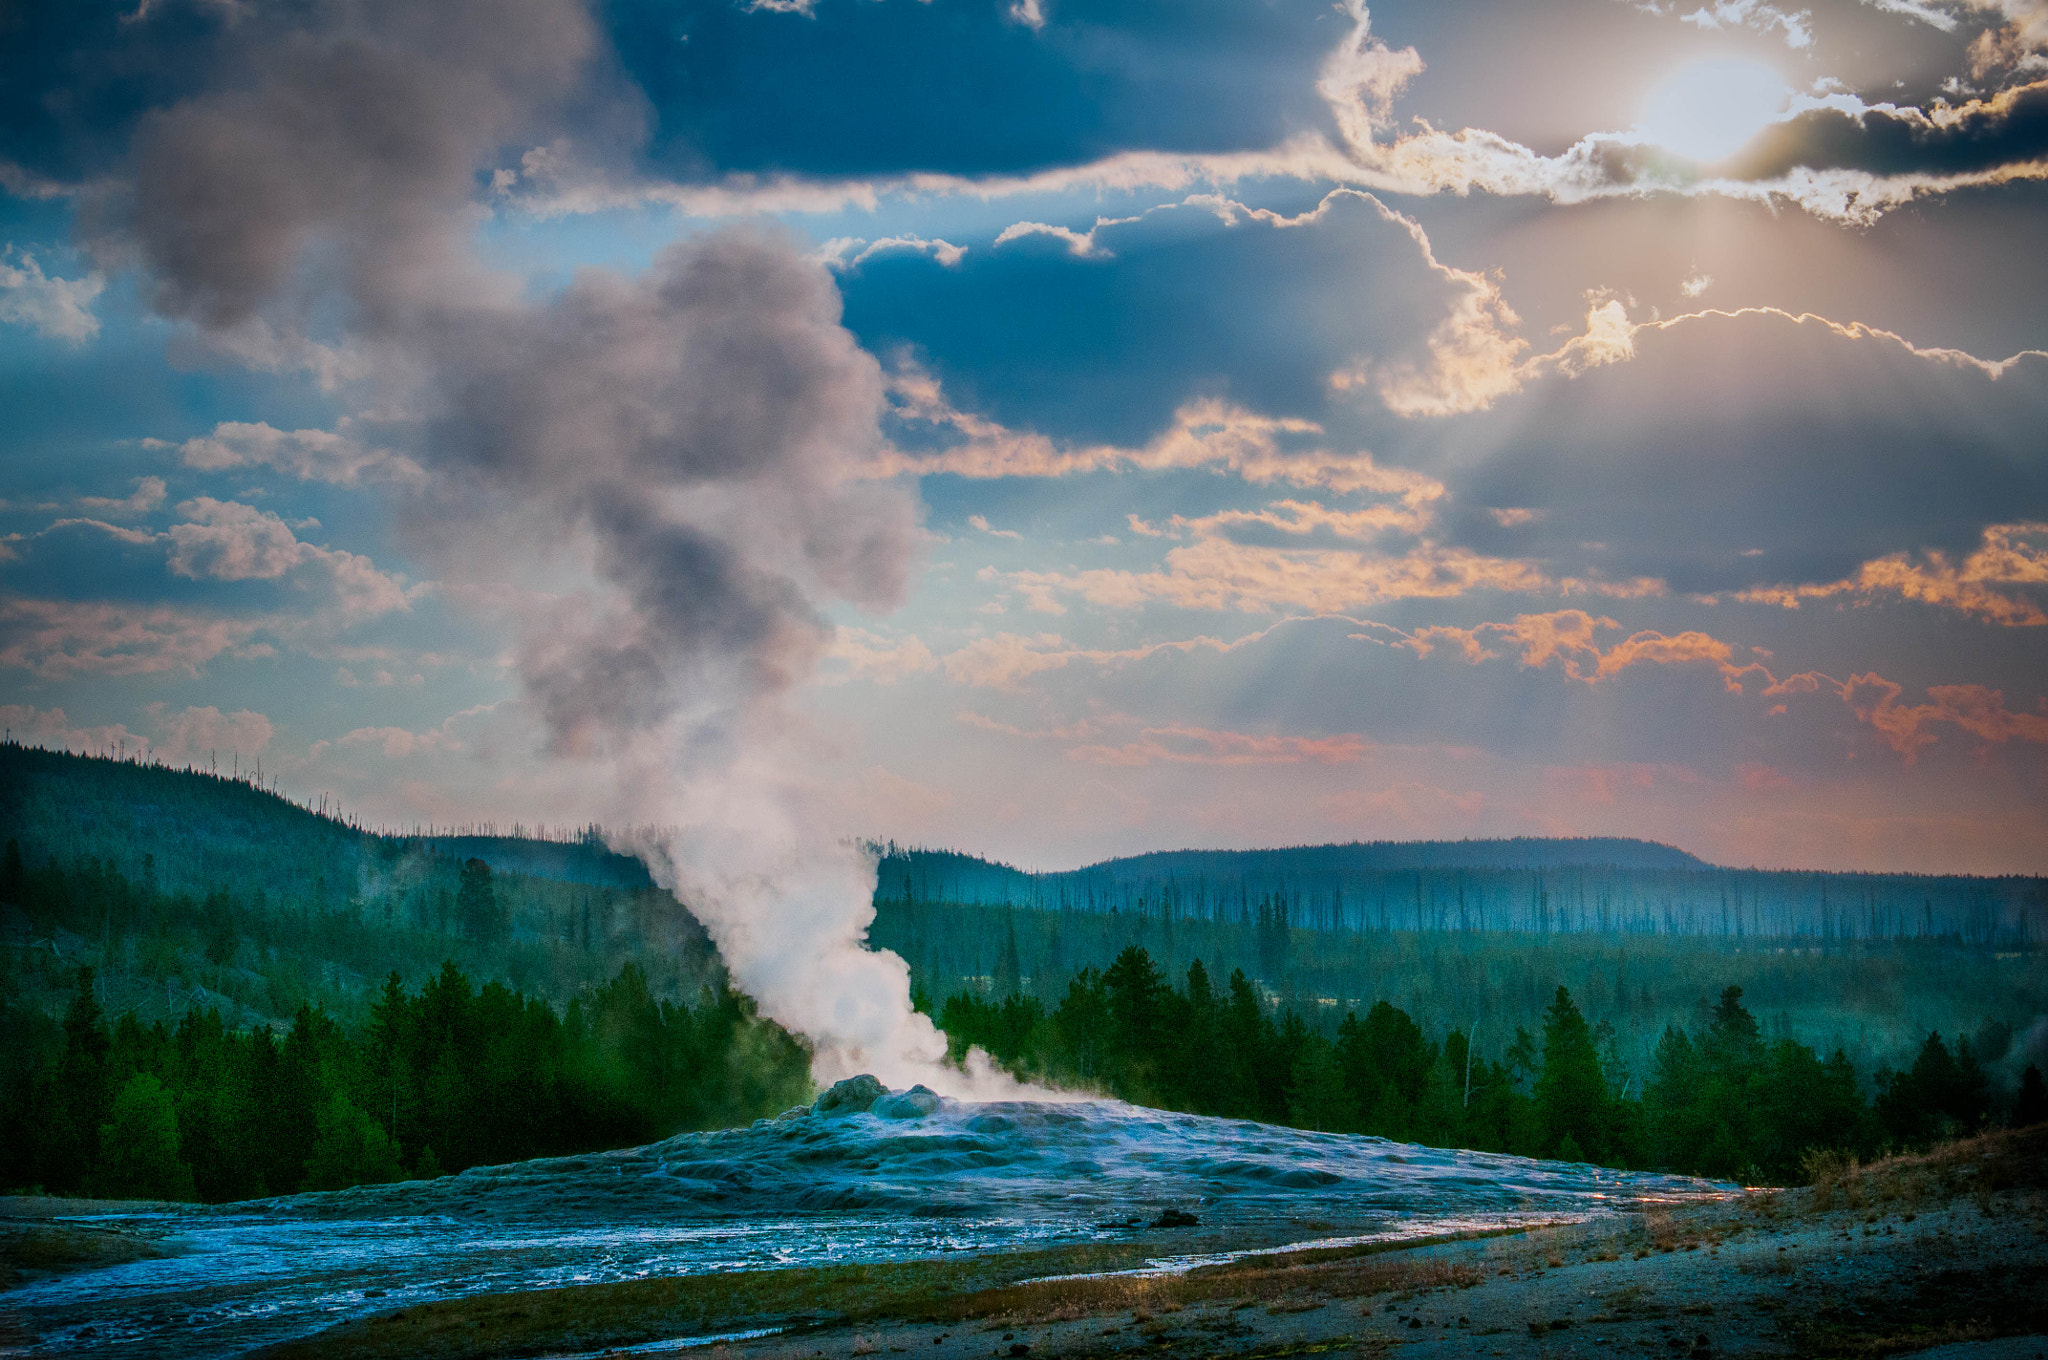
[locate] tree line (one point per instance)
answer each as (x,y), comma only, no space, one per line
(1720,1100)
(438,1079)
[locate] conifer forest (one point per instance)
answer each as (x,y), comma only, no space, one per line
(214,993)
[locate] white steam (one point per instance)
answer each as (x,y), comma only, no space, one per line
(684,444)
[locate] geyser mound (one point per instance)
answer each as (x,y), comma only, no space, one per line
(862,1148)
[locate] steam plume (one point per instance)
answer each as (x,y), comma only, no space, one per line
(686,440)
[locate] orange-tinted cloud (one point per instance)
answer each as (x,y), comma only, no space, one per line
(1976,709)
(2011,556)
(1570,637)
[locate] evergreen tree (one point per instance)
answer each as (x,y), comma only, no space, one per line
(140,1158)
(1316,1096)
(476,903)
(1571,1095)
(349,1149)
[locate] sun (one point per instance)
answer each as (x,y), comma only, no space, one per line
(1709,110)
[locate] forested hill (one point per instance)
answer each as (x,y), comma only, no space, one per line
(196,831)
(1215,875)
(187,887)
(1541,886)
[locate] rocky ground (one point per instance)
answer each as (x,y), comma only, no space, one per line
(1945,1251)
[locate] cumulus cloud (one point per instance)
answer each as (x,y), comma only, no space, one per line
(57,307)
(52,729)
(332,456)
(185,734)
(851,252)
(147,496)
(229,541)
(57,639)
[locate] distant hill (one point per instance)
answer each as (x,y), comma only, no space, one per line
(194,832)
(950,875)
(1543,885)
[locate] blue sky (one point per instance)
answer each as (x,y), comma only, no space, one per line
(1045,428)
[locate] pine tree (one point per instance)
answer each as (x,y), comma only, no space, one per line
(476,903)
(139,1146)
(1571,1095)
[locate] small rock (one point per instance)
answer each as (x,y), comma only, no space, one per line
(1175,1218)
(1021,1348)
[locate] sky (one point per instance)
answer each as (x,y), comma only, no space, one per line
(1045,428)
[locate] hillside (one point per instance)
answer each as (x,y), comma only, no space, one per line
(192,888)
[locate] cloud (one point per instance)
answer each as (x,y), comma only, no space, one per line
(50,728)
(61,308)
(2010,555)
(884,660)
(147,496)
(1005,660)
(1183,745)
(246,565)
(1755,15)
(1976,709)
(1208,432)
(185,734)
(981,522)
(1216,571)
(229,541)
(851,252)
(331,456)
(1571,638)
(56,639)
(1180,743)
(1082,245)
(1475,359)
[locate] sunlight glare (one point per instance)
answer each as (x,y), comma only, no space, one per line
(1708,110)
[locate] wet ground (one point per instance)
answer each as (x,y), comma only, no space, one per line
(885,1180)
